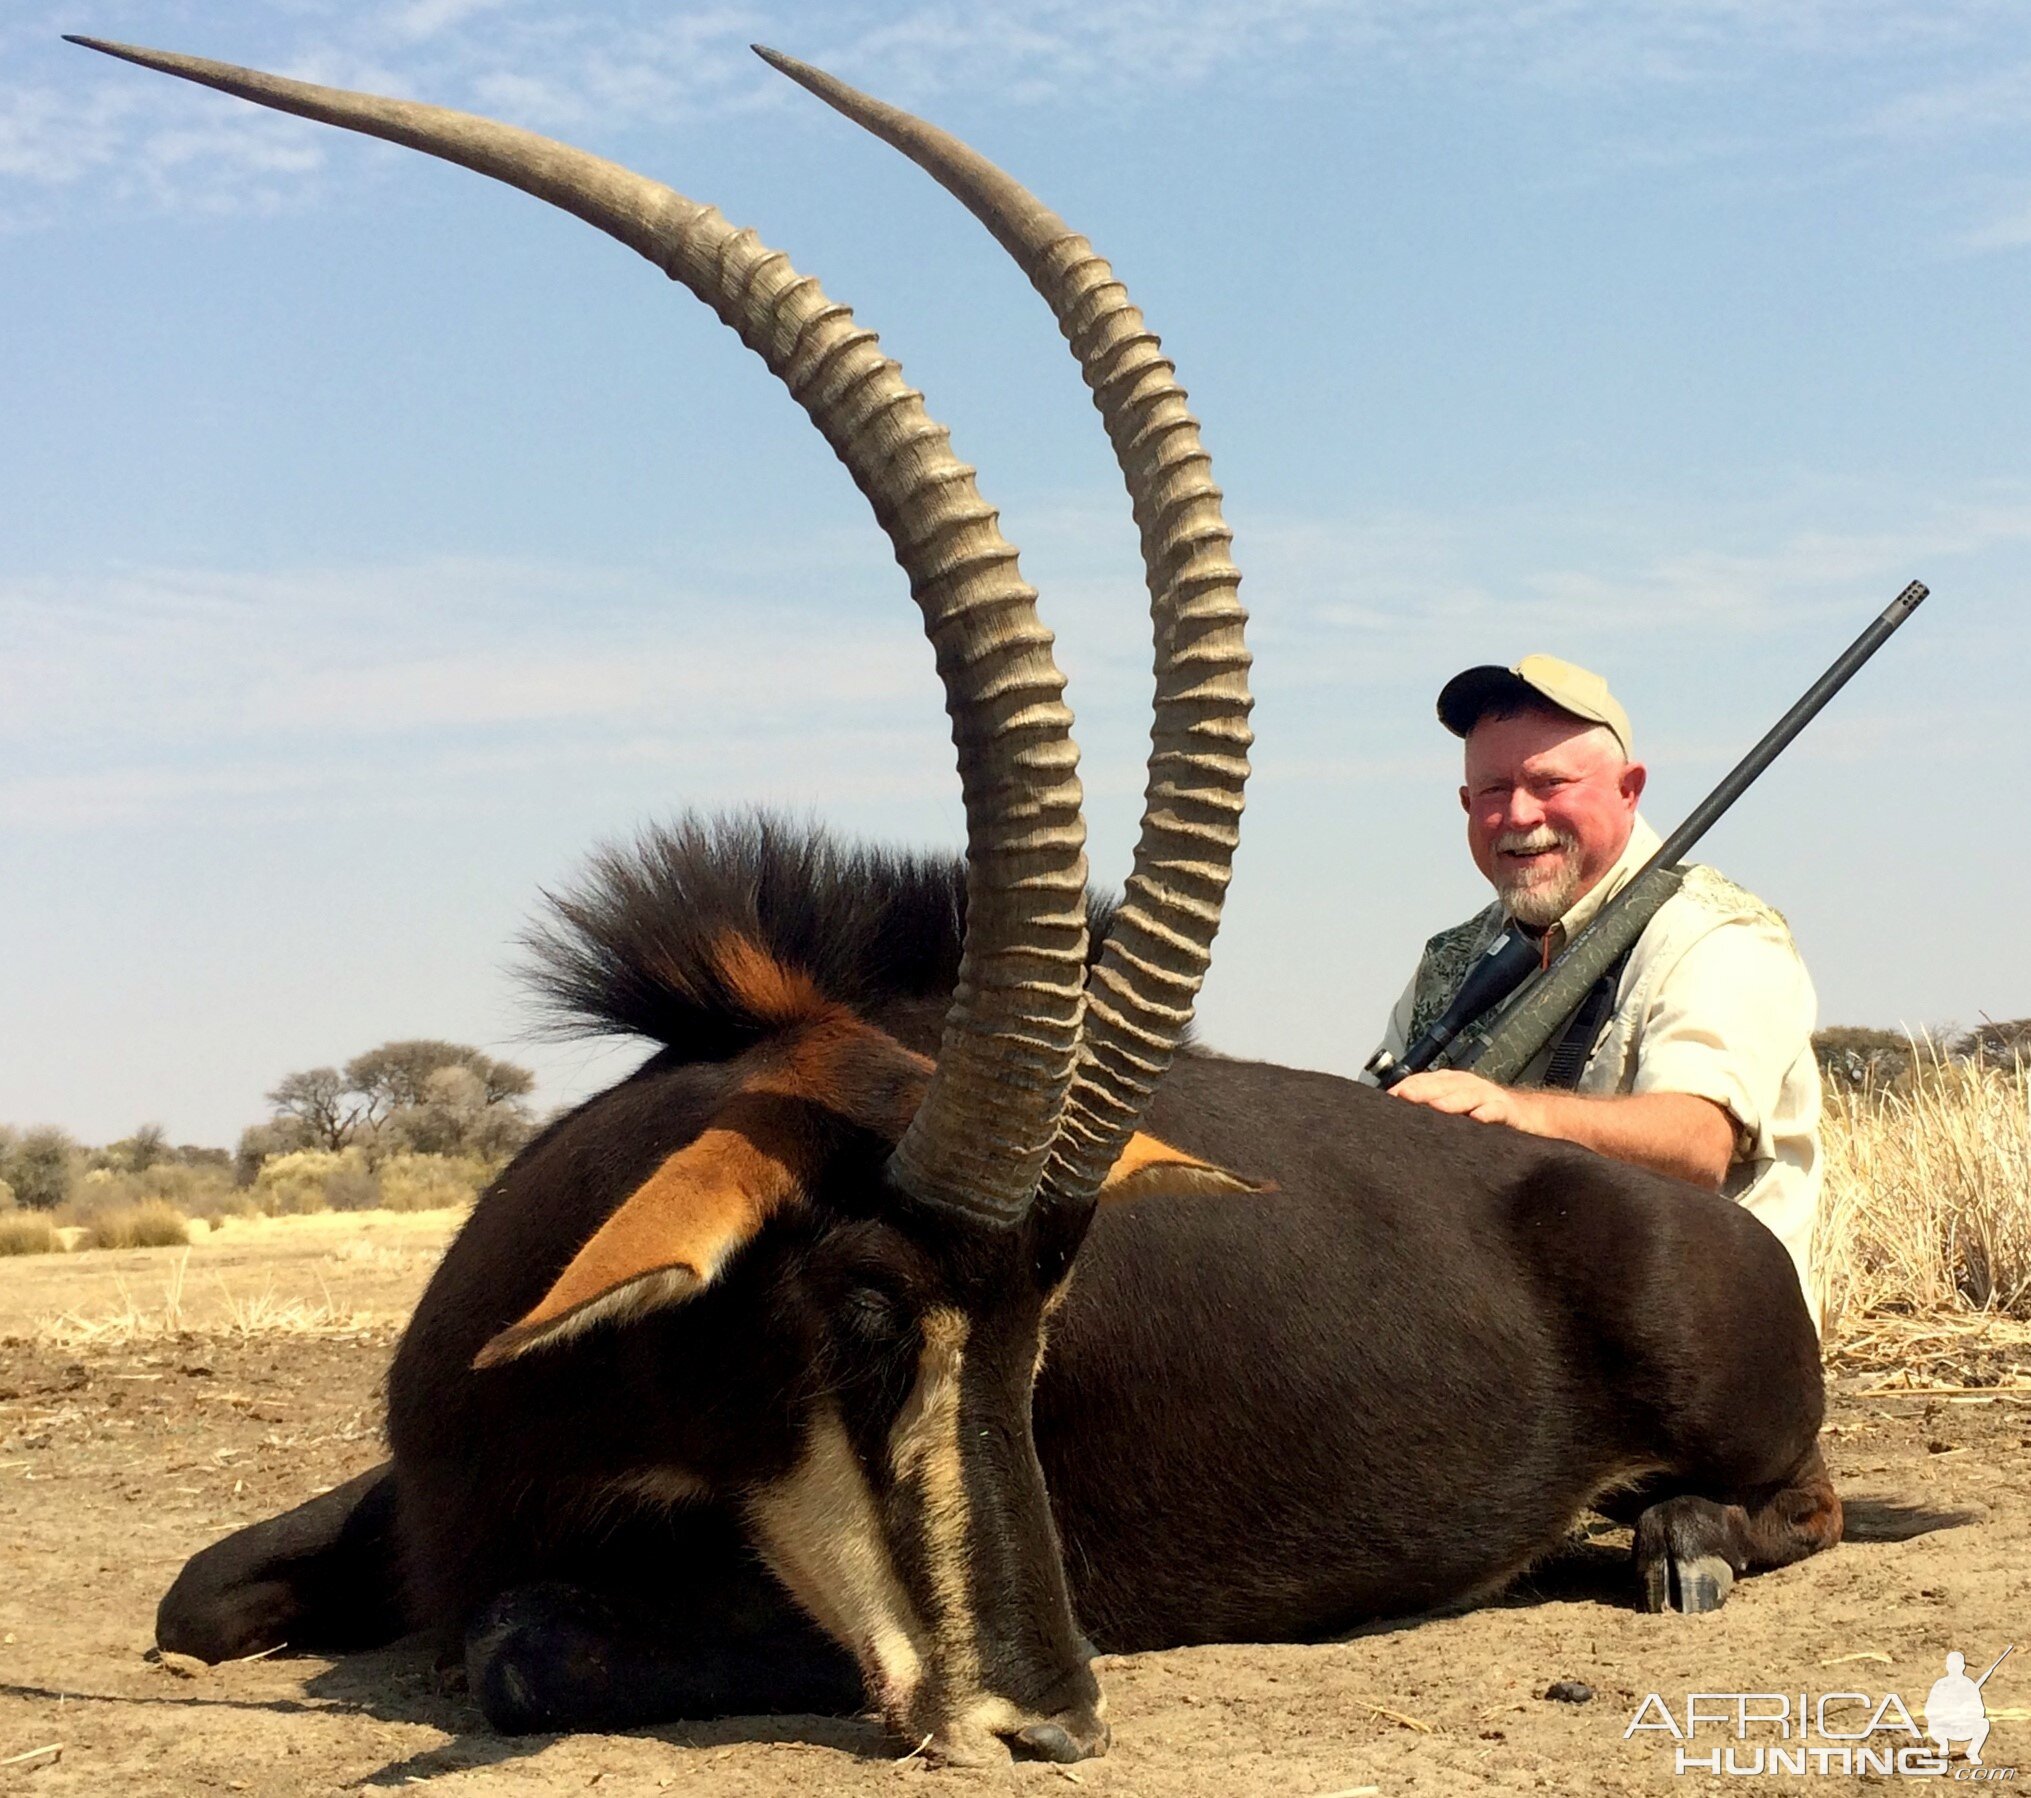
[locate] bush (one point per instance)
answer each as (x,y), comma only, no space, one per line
(40,1166)
(261,1143)
(192,1187)
(186,1190)
(2001,1045)
(28,1233)
(137,1153)
(432,1182)
(315,1180)
(151,1224)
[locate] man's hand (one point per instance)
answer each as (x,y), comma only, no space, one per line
(1679,1134)
(1468,1095)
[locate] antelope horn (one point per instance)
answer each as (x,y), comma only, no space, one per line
(980,1141)
(1140,995)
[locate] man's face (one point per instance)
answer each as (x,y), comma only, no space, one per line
(1550,803)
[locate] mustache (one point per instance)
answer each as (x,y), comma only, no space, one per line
(1532,842)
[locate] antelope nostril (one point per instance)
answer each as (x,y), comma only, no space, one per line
(1080,1735)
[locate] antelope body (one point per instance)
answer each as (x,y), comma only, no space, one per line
(909,1303)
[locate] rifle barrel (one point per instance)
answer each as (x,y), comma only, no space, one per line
(1546,999)
(1993,1665)
(1779,736)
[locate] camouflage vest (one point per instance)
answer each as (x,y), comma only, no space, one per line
(1448,956)
(1444,965)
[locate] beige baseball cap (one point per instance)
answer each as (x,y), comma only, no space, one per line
(1469,696)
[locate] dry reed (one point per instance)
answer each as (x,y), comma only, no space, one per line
(1925,1223)
(239,1315)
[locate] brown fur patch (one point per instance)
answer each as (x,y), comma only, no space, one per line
(671,1236)
(1148,1164)
(765,987)
(848,1066)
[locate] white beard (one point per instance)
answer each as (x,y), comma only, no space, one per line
(1533,898)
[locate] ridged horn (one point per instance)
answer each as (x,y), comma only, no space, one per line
(1141,993)
(981,1139)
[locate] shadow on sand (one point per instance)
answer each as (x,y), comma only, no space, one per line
(400,1684)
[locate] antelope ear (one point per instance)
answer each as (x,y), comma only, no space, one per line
(668,1240)
(1147,1164)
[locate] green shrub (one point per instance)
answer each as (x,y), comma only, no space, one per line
(151,1224)
(28,1233)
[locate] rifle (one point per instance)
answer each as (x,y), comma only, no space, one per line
(1545,997)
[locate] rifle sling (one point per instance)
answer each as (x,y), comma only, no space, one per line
(1576,1043)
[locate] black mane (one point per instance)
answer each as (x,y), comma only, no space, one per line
(632,949)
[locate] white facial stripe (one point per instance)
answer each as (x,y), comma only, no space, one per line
(820,1532)
(668,1487)
(924,1456)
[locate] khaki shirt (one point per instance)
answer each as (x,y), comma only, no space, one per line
(1714,1001)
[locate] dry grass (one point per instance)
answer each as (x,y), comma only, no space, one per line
(150,1224)
(28,1233)
(239,1315)
(1926,1220)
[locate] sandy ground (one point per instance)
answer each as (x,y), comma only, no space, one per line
(125,1446)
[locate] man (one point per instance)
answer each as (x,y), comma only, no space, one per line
(1703,1066)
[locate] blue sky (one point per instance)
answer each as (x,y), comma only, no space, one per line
(377,541)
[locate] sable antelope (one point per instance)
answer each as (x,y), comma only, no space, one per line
(765,1379)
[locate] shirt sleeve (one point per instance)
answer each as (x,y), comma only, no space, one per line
(1396,1033)
(1726,1022)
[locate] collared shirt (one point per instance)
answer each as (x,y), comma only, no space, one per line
(1714,1001)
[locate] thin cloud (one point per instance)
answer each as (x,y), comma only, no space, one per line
(711,766)
(1996,99)
(302,692)
(1373,601)
(424,19)
(635,64)
(2009,231)
(433,645)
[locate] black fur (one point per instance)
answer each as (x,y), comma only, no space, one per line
(1385,1385)
(631,950)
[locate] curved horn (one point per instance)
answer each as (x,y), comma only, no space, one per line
(1140,996)
(980,1140)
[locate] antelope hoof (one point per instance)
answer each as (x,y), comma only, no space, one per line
(1656,1586)
(1703,1583)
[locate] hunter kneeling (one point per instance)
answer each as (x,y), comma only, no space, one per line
(1694,1056)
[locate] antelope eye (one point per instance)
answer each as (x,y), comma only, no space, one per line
(870,1313)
